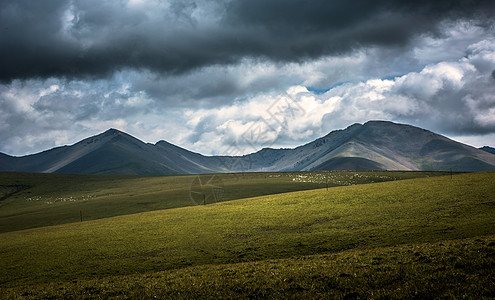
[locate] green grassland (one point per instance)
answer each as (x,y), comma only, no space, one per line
(409,238)
(448,269)
(36,200)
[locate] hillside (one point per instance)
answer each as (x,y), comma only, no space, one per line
(29,200)
(375,145)
(428,236)
(408,271)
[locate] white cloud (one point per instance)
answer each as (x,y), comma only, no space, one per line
(456,37)
(447,96)
(211,109)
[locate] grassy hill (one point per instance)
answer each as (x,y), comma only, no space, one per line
(419,237)
(29,200)
(448,269)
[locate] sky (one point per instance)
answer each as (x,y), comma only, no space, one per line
(231,76)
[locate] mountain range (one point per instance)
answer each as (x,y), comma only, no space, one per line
(375,145)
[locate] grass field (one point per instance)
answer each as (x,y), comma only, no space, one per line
(410,238)
(448,269)
(36,200)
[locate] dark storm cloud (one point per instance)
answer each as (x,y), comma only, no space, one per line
(97,38)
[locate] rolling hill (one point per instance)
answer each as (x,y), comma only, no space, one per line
(420,238)
(375,145)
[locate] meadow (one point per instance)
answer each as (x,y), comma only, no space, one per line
(30,200)
(422,237)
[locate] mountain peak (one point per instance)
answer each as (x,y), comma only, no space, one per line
(112,131)
(382,122)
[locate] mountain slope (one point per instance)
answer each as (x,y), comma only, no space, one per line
(399,146)
(488,149)
(112,152)
(375,145)
(386,146)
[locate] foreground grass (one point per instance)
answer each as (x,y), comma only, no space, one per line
(257,229)
(37,200)
(449,269)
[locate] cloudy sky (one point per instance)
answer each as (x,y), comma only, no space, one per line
(234,76)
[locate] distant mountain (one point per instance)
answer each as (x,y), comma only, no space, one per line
(488,149)
(375,145)
(112,152)
(380,145)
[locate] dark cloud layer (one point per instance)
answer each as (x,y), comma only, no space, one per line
(90,38)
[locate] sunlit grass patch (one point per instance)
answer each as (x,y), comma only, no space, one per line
(35,200)
(256,229)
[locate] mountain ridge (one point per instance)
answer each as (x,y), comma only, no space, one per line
(488,149)
(374,145)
